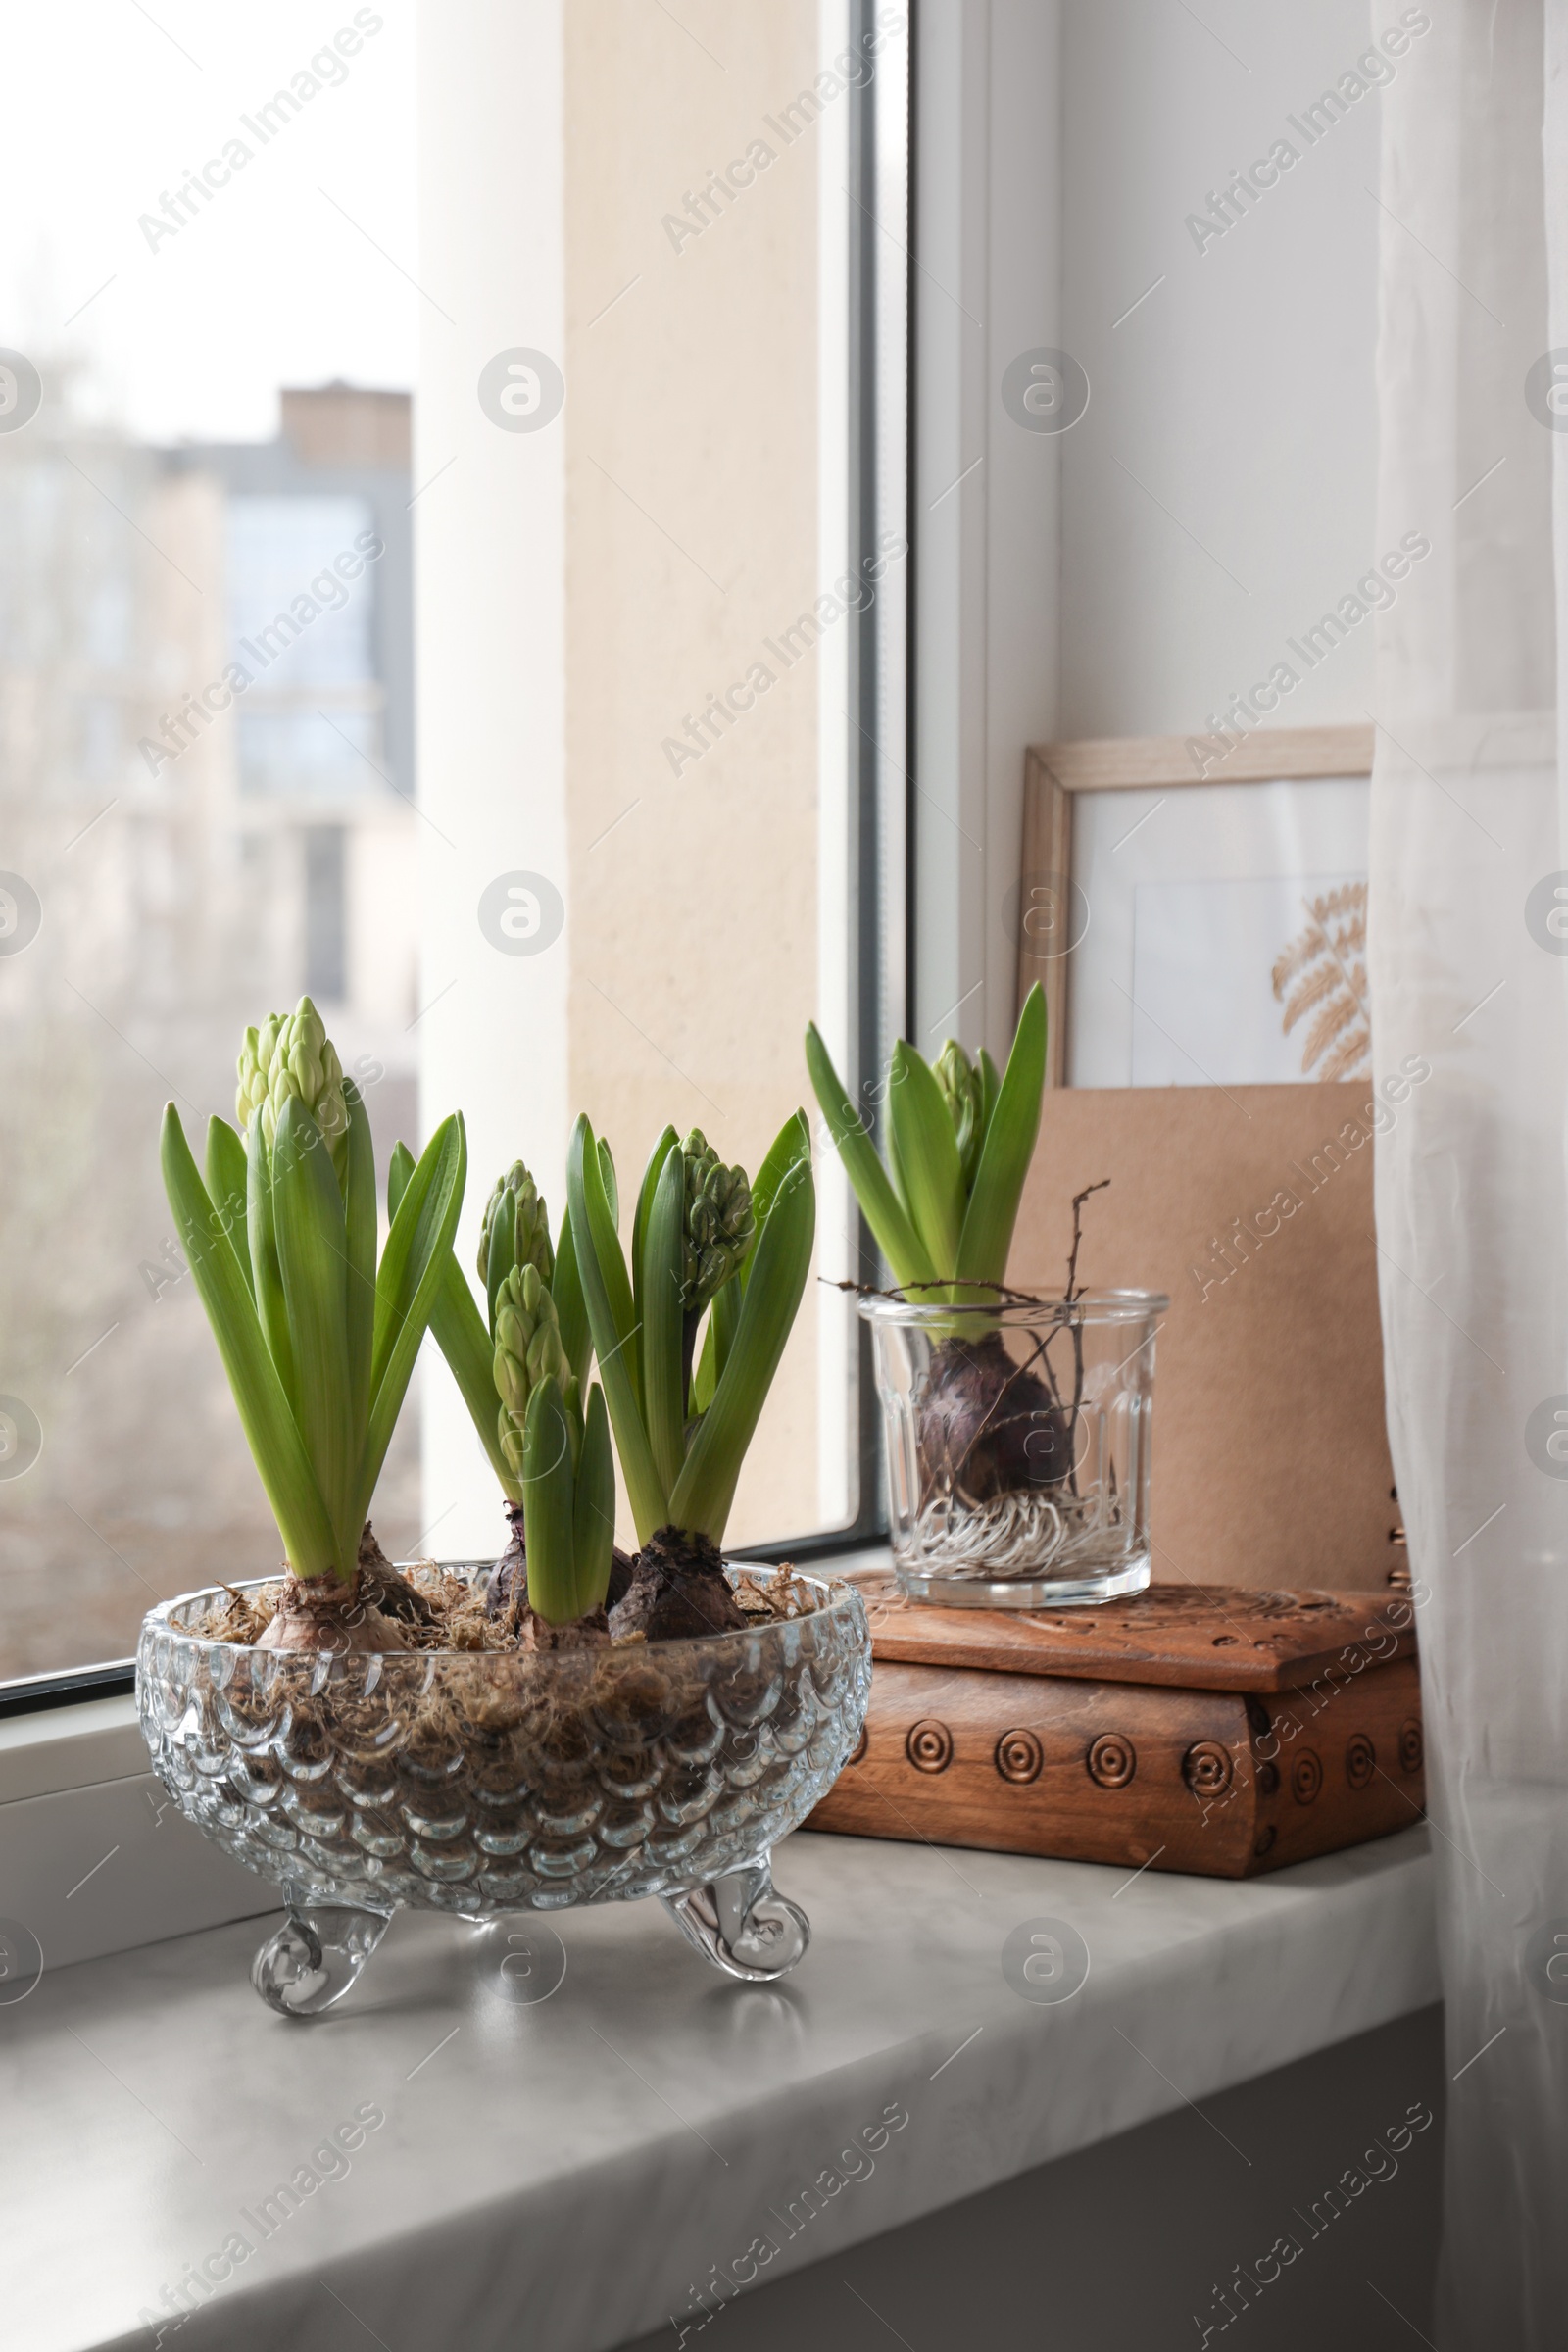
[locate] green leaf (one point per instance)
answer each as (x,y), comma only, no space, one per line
(601,1264)
(606,1295)
(659,1286)
(399,1168)
(571,1399)
(639,1236)
(645,1197)
(572,1313)
(724,1316)
(423,1208)
(884,1212)
(267,1276)
(925,1151)
(718,1334)
(789,1149)
(593,1517)
(228,1187)
(705,1379)
(705,1488)
(458,1329)
(792,1143)
(990,1088)
(363,1233)
(606,1173)
(893,1164)
(546,1507)
(280,1459)
(313,1257)
(1008,1148)
(410,1277)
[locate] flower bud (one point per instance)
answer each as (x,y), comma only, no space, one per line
(528,1350)
(719,1222)
(532,1224)
(291,1057)
(963,1092)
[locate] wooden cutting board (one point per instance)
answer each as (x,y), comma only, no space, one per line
(1211,1729)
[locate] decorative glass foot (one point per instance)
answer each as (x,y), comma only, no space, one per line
(316,1954)
(742,1925)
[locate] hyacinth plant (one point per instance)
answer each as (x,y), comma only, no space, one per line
(521,1366)
(942,1209)
(960,1141)
(317,1334)
(706,1248)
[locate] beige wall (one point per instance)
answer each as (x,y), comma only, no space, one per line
(692,458)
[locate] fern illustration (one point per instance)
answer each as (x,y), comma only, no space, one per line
(1323,973)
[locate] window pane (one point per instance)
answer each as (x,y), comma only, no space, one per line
(649,320)
(206,734)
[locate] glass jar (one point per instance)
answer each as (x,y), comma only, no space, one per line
(1018,1445)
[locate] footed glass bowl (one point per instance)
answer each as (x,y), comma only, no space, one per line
(482,1784)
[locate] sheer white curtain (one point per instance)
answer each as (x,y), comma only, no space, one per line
(1470,972)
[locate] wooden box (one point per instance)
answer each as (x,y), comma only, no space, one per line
(1210,1729)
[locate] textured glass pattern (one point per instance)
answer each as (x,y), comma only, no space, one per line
(475,1782)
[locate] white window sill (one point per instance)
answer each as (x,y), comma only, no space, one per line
(574,2168)
(69,1747)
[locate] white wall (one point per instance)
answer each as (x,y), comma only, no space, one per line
(1129,576)
(1239,394)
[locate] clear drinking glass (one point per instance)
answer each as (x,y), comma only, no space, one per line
(1018,1445)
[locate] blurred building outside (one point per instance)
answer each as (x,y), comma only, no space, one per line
(200,857)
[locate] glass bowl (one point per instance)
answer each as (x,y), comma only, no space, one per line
(483,1783)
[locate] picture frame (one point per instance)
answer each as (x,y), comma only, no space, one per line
(1052,912)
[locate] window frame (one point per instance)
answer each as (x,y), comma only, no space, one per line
(880,296)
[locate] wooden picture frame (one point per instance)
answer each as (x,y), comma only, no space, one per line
(1054,772)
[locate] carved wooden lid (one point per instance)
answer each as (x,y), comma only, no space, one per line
(1197,1637)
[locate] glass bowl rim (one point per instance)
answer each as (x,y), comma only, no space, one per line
(839,1607)
(1085,1306)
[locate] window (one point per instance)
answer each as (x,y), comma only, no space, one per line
(603,411)
(301,606)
